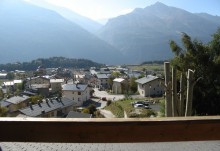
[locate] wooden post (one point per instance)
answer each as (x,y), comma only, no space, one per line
(168,104)
(189,96)
(181,102)
(174,93)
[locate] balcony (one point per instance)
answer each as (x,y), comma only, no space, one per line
(59,130)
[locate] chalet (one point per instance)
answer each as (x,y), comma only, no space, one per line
(56,107)
(150,86)
(16,102)
(76,92)
(119,85)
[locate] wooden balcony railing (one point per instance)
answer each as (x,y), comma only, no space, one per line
(109,130)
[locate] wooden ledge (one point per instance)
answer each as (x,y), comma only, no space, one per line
(105,130)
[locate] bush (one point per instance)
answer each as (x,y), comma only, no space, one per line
(108,102)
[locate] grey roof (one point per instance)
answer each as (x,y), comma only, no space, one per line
(73,114)
(4,103)
(157,146)
(74,87)
(146,79)
(102,76)
(46,107)
(17,99)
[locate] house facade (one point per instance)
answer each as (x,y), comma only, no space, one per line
(37,80)
(76,92)
(102,81)
(119,85)
(56,85)
(150,86)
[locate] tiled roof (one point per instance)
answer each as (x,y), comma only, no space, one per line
(4,103)
(46,106)
(146,79)
(17,99)
(73,114)
(74,87)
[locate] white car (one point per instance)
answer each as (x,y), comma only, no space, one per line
(141,105)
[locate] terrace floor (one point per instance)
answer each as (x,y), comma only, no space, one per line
(162,146)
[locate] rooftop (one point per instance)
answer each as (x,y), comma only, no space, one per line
(46,106)
(118,80)
(102,76)
(74,87)
(17,99)
(146,79)
(56,80)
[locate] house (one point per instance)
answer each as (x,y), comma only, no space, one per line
(56,85)
(102,81)
(73,114)
(119,85)
(76,92)
(150,86)
(54,107)
(16,102)
(3,75)
(37,80)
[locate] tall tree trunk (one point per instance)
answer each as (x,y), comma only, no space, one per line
(181,102)
(189,96)
(168,102)
(174,93)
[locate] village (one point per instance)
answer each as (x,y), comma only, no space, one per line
(80,93)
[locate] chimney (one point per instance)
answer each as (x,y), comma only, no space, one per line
(31,106)
(38,102)
(47,102)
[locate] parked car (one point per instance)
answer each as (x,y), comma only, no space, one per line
(142,106)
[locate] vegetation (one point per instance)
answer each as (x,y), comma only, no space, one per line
(3,111)
(35,99)
(118,108)
(53,62)
(204,59)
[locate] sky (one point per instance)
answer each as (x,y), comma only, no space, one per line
(103,9)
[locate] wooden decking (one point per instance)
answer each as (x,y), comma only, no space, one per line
(109,130)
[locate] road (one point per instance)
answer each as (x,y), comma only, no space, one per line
(112,97)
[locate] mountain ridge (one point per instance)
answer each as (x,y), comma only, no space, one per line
(29,31)
(144,34)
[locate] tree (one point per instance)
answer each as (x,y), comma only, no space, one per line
(10,76)
(204,60)
(133,84)
(34,99)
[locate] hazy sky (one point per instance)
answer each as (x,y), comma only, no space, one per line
(99,9)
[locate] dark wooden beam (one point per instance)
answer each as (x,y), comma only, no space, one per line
(109,130)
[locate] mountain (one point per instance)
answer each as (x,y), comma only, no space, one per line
(144,34)
(53,62)
(86,23)
(28,32)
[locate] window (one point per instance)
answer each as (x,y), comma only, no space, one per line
(79,93)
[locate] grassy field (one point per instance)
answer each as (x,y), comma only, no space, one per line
(155,67)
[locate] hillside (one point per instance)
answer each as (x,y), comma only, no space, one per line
(29,32)
(144,34)
(53,62)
